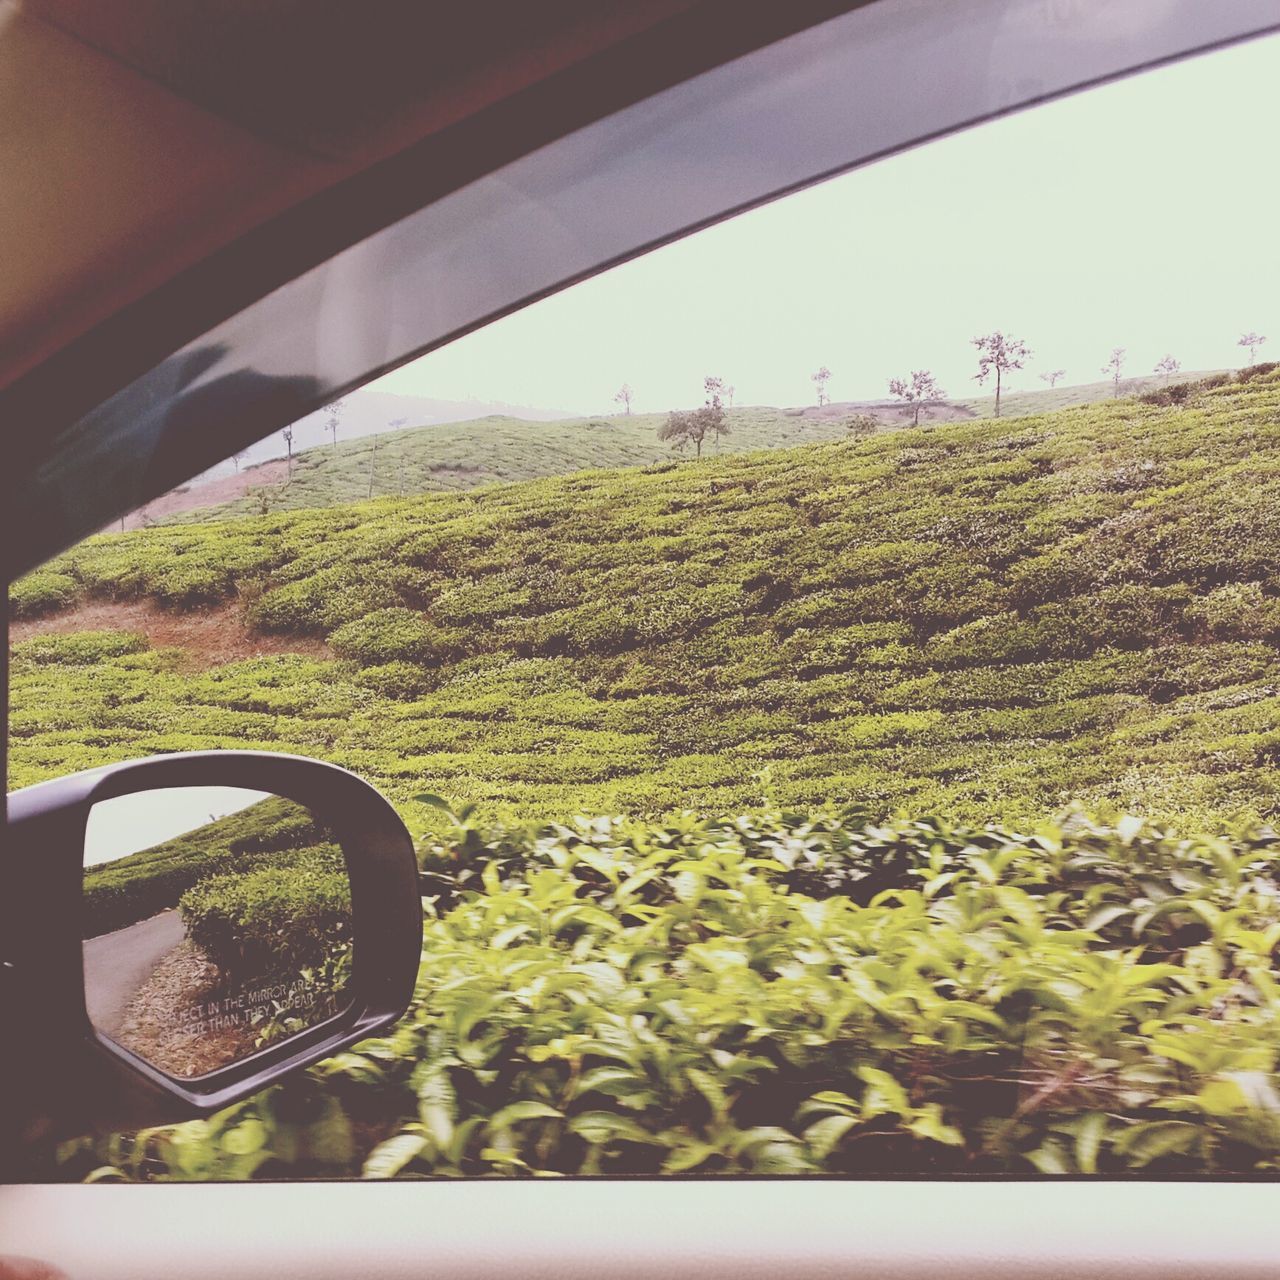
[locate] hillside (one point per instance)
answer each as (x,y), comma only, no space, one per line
(465,455)
(1019,401)
(981,619)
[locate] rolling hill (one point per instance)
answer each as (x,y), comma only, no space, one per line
(981,619)
(449,455)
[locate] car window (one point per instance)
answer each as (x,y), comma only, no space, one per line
(828,666)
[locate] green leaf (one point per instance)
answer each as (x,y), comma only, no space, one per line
(249,1136)
(1103,916)
(390,1157)
(710,1089)
(928,1123)
(434,801)
(1050,1159)
(1089,1134)
(883,1095)
(504,937)
(1150,1140)
(528,1110)
(600,1127)
(824,1135)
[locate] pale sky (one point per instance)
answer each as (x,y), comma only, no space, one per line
(128,824)
(1142,214)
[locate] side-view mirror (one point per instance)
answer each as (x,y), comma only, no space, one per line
(180,931)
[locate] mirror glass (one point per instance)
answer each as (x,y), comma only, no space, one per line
(217,921)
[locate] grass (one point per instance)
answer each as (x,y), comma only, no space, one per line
(988,620)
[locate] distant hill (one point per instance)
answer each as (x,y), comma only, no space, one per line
(439,456)
(1018,402)
(463,455)
(366,413)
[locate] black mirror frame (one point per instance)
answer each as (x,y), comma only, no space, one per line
(41,901)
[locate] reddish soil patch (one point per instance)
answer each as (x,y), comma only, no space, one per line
(210,637)
(210,493)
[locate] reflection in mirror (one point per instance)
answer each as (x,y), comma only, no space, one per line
(217,921)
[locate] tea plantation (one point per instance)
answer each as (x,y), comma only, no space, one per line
(464,455)
(841,691)
(985,620)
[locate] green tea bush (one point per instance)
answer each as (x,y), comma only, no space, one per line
(395,635)
(79,649)
(788,993)
(41,592)
(1240,611)
(274,921)
(132,888)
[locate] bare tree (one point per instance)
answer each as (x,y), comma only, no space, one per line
(373,462)
(334,411)
(1001,352)
(1114,367)
(820,380)
(238,457)
(1253,341)
(921,389)
(288,444)
(729,393)
(1167,366)
(1052,376)
(623,397)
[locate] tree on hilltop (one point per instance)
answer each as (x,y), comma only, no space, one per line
(921,389)
(1114,367)
(1002,353)
(1052,376)
(692,427)
(623,397)
(685,427)
(288,444)
(820,380)
(1253,341)
(1167,366)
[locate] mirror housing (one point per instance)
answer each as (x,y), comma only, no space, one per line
(72,1076)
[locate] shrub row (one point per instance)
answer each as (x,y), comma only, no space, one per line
(792,994)
(273,921)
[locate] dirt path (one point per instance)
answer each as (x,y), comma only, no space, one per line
(118,964)
(210,637)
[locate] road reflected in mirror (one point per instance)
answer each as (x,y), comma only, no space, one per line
(216,922)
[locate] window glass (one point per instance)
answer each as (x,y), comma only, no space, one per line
(828,665)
